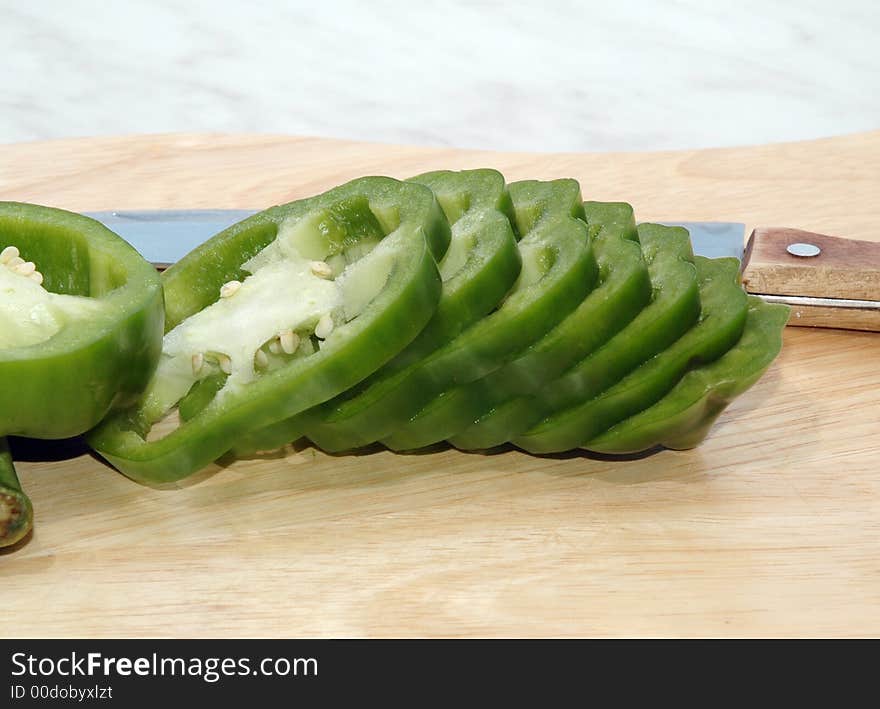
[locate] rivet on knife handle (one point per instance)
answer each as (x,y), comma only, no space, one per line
(828,281)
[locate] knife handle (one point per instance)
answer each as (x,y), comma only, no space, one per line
(829,281)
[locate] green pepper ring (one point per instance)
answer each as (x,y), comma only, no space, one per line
(65,385)
(388,323)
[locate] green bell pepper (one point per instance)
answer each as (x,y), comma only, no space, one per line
(80,329)
(559,269)
(682,418)
(722,319)
(478,270)
(674,307)
(278,313)
(623,291)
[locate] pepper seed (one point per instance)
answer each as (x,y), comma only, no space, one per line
(9,253)
(225,364)
(321,269)
(26,268)
(289,341)
(227,290)
(198,361)
(324,327)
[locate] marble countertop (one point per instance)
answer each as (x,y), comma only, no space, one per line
(630,75)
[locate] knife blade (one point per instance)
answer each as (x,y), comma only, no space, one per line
(842,296)
(164,236)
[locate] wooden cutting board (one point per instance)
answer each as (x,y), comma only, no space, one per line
(771,527)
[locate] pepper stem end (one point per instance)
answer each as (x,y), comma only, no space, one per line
(16,516)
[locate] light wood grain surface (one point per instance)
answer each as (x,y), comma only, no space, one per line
(771,527)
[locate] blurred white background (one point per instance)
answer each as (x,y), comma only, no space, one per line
(623,75)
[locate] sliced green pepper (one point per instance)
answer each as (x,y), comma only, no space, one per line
(80,333)
(624,289)
(16,514)
(722,318)
(478,270)
(682,418)
(288,308)
(674,307)
(559,269)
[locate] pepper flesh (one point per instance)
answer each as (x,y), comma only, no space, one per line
(722,319)
(479,268)
(624,289)
(683,417)
(380,235)
(674,307)
(559,268)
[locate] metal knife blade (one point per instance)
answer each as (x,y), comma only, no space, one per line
(164,236)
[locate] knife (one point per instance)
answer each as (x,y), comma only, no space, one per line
(828,281)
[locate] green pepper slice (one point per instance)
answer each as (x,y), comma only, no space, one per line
(674,308)
(559,269)
(478,270)
(721,323)
(288,308)
(624,289)
(16,513)
(80,333)
(683,417)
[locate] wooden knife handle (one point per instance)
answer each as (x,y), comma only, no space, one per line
(844,268)
(841,270)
